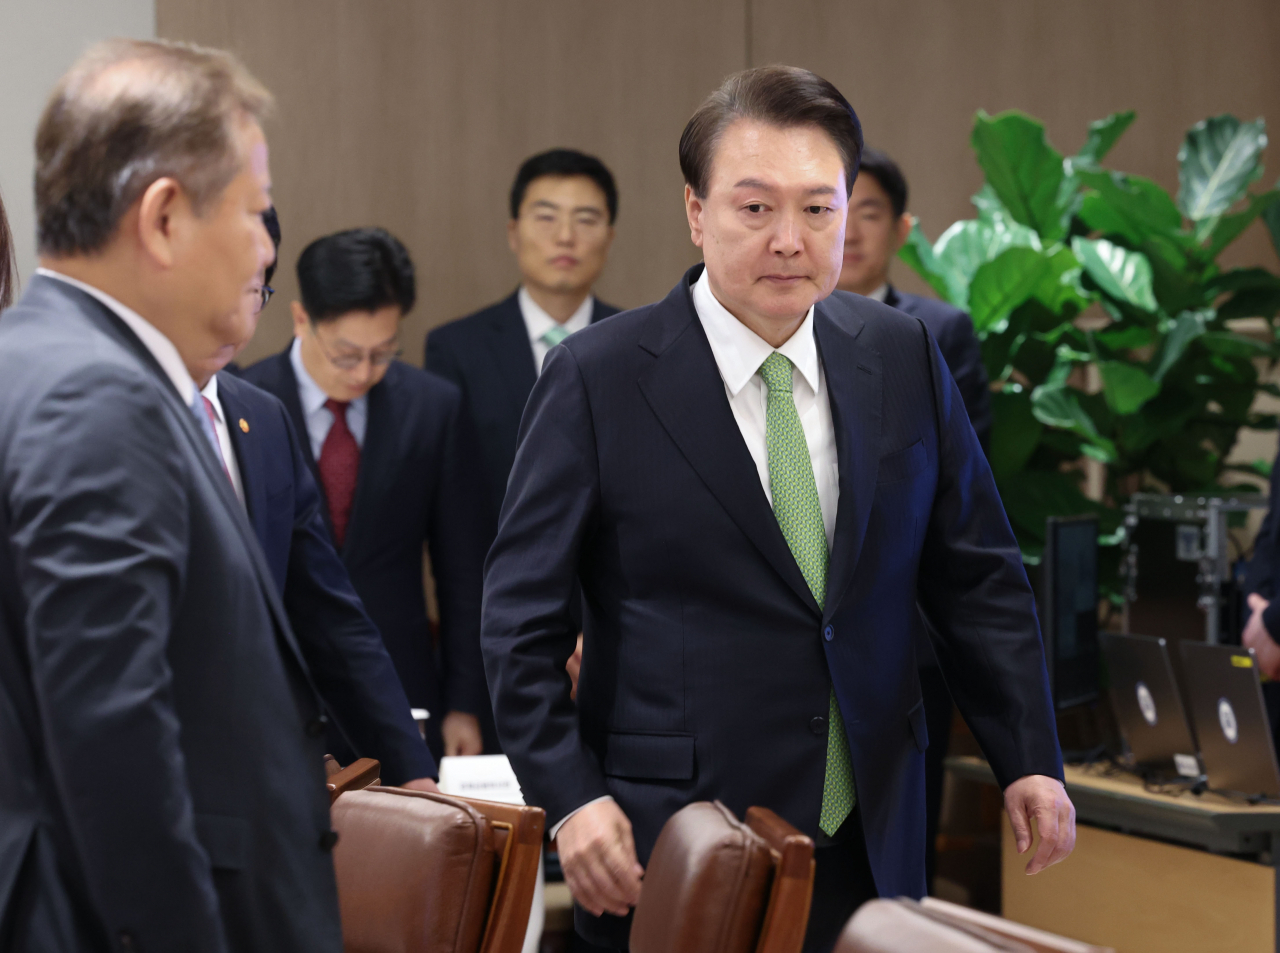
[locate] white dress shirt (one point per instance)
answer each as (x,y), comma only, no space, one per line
(880,294)
(739,352)
(224,436)
(318,417)
(152,338)
(537,323)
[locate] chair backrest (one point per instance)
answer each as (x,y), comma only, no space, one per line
(787,914)
(706,888)
(517,831)
(354,777)
(415,871)
(903,926)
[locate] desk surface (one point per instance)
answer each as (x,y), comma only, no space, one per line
(1109,798)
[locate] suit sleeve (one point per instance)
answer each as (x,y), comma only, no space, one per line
(97,496)
(963,353)
(460,529)
(1262,567)
(529,629)
(975,592)
(342,646)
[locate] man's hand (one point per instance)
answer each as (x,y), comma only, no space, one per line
(598,855)
(461,734)
(573,667)
(422,784)
(1045,800)
(1257,637)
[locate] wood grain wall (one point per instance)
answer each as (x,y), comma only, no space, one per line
(414,114)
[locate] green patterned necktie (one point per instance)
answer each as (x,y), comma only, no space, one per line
(555,335)
(799,514)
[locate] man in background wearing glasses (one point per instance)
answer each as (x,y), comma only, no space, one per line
(394,455)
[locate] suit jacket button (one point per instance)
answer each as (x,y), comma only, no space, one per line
(327,840)
(818,725)
(828,633)
(315,727)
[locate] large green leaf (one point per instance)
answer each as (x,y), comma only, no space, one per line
(1014,431)
(1129,206)
(1185,328)
(1125,386)
(1218,160)
(1256,293)
(1057,405)
(1023,169)
(1228,228)
(969,244)
(1004,283)
(918,254)
(1103,135)
(1121,273)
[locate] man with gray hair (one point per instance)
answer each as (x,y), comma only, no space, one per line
(162,786)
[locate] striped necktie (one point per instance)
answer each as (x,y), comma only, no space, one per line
(799,514)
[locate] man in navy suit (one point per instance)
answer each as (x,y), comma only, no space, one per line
(756,483)
(395,461)
(876,227)
(161,784)
(563,206)
(263,458)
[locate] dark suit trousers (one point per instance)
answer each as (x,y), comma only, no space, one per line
(938,714)
(842,882)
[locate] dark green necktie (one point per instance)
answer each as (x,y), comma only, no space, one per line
(799,514)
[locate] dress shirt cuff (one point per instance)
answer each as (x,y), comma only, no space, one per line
(555,828)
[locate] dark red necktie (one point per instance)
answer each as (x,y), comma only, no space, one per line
(339,466)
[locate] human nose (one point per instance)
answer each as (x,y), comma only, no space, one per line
(564,231)
(786,239)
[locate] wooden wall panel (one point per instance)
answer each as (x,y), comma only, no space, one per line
(415,115)
(917,71)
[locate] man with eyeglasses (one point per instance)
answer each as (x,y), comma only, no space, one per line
(394,455)
(367,712)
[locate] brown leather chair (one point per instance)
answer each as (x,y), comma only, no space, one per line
(354,777)
(717,885)
(426,873)
(905,926)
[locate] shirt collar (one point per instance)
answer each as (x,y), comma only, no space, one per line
(210,391)
(739,351)
(310,393)
(880,293)
(538,322)
(152,338)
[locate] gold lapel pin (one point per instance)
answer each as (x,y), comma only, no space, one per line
(244,425)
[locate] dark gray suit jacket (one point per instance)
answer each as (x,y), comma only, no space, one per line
(162,786)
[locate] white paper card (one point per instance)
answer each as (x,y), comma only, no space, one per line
(1187,765)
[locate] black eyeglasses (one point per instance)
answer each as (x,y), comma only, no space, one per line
(350,360)
(264,293)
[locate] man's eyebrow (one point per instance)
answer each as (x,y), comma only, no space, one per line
(759,184)
(593,209)
(356,347)
(546,203)
(873,202)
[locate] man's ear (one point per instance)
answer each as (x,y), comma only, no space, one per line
(300,320)
(160,211)
(903,229)
(693,209)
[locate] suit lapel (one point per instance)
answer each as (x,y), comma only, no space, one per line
(853,375)
(684,375)
(512,353)
(377,458)
(248,450)
(288,394)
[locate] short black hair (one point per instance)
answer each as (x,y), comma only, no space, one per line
(782,96)
(361,269)
(271,221)
(561,163)
(885,171)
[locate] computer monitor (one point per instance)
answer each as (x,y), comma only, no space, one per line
(1148,707)
(1230,718)
(1068,604)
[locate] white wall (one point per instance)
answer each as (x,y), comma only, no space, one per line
(39,39)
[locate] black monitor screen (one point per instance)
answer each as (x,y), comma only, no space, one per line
(1069,608)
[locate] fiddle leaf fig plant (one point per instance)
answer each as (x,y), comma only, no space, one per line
(1108,327)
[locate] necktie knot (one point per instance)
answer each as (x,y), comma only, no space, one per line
(776,373)
(555,335)
(336,407)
